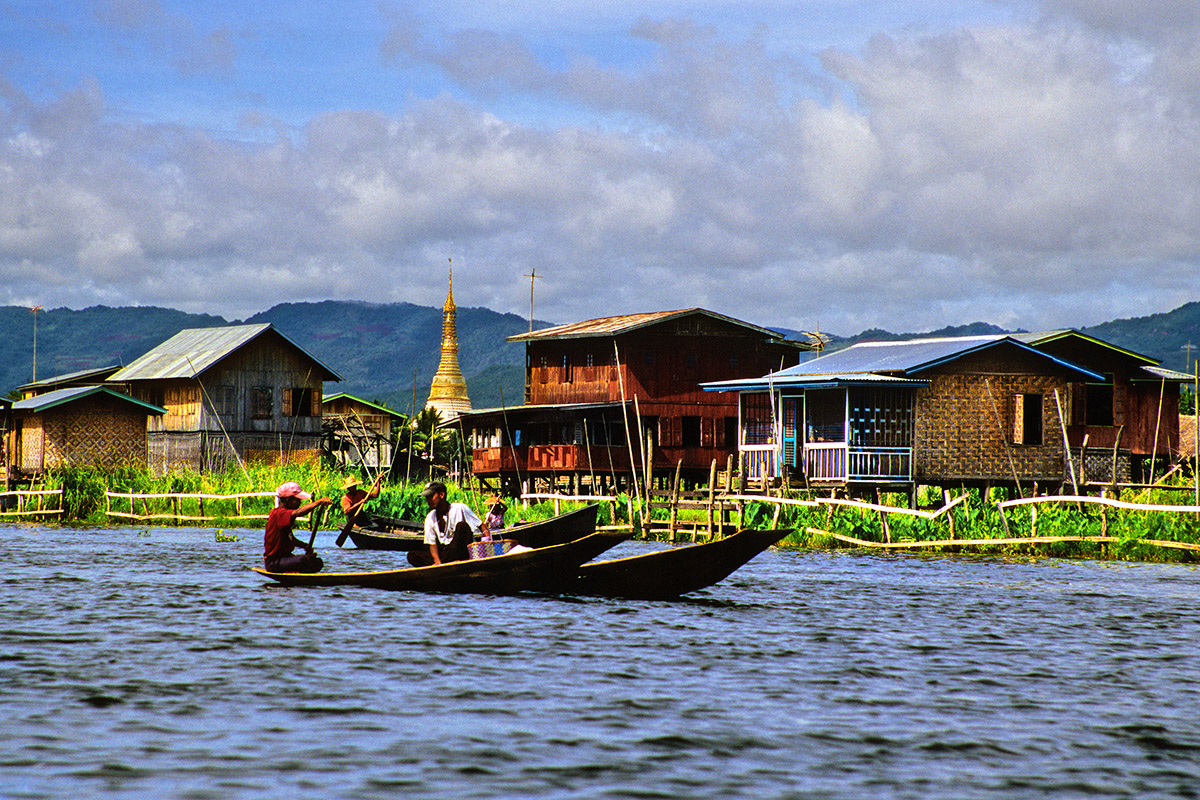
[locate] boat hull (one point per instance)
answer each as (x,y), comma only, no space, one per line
(669,573)
(550,569)
(543,533)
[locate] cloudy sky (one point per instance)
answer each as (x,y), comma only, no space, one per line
(841,163)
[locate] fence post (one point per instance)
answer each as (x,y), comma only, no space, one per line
(712,491)
(675,503)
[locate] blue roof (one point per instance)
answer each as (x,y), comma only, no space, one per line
(44,402)
(879,363)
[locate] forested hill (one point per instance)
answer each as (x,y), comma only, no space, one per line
(377,347)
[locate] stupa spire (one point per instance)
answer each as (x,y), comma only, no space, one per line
(448,393)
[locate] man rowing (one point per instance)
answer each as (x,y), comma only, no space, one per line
(278,540)
(354,499)
(449,529)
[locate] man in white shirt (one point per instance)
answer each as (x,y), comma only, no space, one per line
(449,528)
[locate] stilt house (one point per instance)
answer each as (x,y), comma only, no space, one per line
(358,431)
(247,389)
(609,396)
(1050,408)
(85,425)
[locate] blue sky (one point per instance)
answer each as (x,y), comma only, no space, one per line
(813,162)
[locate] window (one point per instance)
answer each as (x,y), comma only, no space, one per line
(224,400)
(1027,419)
(648,358)
(262,402)
(689,359)
(733,361)
(731,432)
(542,369)
(757,418)
(1099,404)
(590,360)
(691,432)
(297,402)
(568,369)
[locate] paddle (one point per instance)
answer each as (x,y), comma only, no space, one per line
(318,515)
(350,517)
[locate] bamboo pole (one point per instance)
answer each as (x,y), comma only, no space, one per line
(712,491)
(1162,389)
(675,504)
(1003,436)
(628,437)
(1062,424)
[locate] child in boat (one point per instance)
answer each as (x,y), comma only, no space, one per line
(278,540)
(494,521)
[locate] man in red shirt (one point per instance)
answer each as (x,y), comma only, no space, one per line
(278,542)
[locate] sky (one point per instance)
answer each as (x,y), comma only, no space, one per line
(811,164)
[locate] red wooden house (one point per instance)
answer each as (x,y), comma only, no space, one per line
(608,393)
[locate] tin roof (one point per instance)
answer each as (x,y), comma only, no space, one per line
(93,374)
(1170,375)
(368,403)
(612,326)
(822,381)
(193,351)
(910,356)
(885,363)
(43,402)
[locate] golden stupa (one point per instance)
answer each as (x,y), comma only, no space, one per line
(448,394)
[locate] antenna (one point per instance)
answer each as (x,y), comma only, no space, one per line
(532,277)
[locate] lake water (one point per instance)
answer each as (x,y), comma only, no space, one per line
(152,664)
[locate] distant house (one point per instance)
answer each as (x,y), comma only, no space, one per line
(967,410)
(358,431)
(73,380)
(601,393)
(85,425)
(247,389)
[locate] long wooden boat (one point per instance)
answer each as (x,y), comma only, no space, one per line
(668,573)
(407,534)
(549,569)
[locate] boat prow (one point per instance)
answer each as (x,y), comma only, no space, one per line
(669,573)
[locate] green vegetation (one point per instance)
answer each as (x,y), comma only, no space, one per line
(977,517)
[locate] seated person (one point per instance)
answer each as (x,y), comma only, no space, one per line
(279,542)
(449,528)
(355,496)
(494,521)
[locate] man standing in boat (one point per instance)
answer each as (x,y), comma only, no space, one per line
(278,541)
(354,499)
(449,528)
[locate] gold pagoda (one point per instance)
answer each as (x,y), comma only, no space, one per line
(448,394)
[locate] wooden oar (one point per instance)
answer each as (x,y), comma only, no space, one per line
(318,516)
(354,509)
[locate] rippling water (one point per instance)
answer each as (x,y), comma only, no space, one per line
(152,664)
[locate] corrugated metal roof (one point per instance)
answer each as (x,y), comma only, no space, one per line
(611,326)
(821,381)
(883,357)
(911,356)
(60,397)
(98,373)
(368,403)
(192,351)
(1162,373)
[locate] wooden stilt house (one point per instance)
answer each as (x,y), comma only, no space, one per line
(238,392)
(358,431)
(610,397)
(969,410)
(86,425)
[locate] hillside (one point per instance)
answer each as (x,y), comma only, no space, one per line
(377,347)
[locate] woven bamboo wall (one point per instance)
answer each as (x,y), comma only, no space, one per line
(959,436)
(94,432)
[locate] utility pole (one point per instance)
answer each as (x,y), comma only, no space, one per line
(35,311)
(532,276)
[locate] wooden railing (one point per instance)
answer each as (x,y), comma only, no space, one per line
(42,508)
(759,460)
(176,502)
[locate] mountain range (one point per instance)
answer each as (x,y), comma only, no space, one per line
(380,348)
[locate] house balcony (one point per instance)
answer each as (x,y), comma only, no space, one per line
(836,463)
(548,458)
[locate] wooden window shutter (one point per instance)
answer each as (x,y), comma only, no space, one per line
(706,432)
(1018,429)
(719,433)
(316,402)
(288,396)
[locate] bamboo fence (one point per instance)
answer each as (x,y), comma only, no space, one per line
(42,509)
(176,500)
